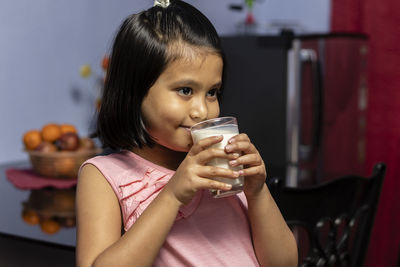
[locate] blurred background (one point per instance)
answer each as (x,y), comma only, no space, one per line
(45,43)
(51,71)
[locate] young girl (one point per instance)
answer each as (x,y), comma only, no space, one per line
(149,203)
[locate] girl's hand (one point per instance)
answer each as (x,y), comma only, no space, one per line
(193,173)
(253,166)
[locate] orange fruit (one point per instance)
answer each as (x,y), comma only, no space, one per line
(68,128)
(46,147)
(51,132)
(30,217)
(32,139)
(105,62)
(50,226)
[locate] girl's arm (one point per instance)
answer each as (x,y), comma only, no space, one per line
(99,240)
(273,241)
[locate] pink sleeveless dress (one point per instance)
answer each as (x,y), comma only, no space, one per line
(207,231)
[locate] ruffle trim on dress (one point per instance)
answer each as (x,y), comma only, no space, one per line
(141,191)
(138,194)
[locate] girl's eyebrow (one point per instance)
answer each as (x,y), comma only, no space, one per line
(186,82)
(218,84)
(190,82)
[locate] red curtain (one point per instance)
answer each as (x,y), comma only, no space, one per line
(380,20)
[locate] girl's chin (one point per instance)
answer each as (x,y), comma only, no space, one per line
(178,149)
(183,149)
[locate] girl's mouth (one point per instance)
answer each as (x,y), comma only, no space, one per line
(187,128)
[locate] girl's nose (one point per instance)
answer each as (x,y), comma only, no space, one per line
(199,110)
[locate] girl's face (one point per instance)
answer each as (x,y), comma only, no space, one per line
(184,94)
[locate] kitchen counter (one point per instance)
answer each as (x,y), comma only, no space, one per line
(11,207)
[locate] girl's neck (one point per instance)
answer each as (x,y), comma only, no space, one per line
(161,156)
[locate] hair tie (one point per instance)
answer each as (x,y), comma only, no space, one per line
(162,3)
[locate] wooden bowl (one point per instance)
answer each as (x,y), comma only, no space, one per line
(60,164)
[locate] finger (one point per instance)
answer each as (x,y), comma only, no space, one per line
(247,160)
(205,183)
(208,154)
(204,144)
(214,172)
(241,146)
(257,170)
(239,137)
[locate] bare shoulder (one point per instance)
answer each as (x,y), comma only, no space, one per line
(98,215)
(91,185)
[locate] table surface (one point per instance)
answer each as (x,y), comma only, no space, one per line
(11,222)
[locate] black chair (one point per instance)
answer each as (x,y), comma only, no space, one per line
(332,221)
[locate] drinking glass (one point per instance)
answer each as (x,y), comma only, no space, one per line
(227,127)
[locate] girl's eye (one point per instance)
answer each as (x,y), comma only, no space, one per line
(213,92)
(186,91)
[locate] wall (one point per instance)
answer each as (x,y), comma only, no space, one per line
(304,16)
(43,43)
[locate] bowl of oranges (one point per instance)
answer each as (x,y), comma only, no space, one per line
(57,150)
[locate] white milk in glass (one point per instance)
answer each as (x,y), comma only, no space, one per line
(227,131)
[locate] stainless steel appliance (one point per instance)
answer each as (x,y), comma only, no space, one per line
(302,99)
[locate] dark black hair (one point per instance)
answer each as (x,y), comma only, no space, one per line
(139,55)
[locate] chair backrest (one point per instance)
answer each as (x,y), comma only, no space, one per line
(333,220)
